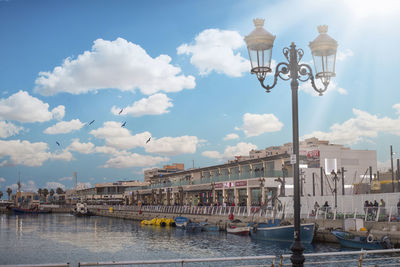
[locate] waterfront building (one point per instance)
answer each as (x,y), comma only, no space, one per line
(248,180)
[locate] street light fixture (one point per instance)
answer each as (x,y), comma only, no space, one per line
(335,178)
(259,44)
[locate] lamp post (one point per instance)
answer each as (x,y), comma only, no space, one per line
(335,178)
(259,44)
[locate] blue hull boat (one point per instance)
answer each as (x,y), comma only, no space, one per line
(283,233)
(193,227)
(181,221)
(349,240)
(209,227)
(28,211)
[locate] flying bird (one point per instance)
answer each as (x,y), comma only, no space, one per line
(90,123)
(123,125)
(121,111)
(57,143)
(148,140)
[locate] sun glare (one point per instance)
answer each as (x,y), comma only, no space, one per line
(372,8)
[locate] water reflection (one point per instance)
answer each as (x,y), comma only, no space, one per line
(64,238)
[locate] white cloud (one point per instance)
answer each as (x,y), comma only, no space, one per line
(342,55)
(83,185)
(212,154)
(65,179)
(213,50)
(115,64)
(29,186)
(171,146)
(8,129)
(54,185)
(306,87)
(108,150)
(65,155)
(64,127)
(257,124)
(153,105)
(2,180)
(133,160)
(231,136)
(397,108)
(17,152)
(240,149)
(24,108)
(118,137)
(359,128)
(58,112)
(83,148)
(23,152)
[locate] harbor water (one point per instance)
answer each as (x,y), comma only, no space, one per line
(62,238)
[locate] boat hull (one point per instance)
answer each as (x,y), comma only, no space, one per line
(238,230)
(28,211)
(284,233)
(360,242)
(181,221)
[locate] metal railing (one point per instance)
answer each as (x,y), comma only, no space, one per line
(255,211)
(341,258)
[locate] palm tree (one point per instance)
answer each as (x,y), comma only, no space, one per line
(1,194)
(9,191)
(59,191)
(51,192)
(45,192)
(40,192)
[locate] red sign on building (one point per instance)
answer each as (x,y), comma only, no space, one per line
(241,183)
(313,154)
(220,185)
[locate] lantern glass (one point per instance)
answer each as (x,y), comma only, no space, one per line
(323,49)
(259,45)
(260,61)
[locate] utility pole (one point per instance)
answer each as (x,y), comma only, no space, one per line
(322,182)
(343,170)
(391,162)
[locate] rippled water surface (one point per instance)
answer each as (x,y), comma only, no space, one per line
(62,238)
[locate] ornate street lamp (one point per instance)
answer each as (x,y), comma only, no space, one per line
(259,44)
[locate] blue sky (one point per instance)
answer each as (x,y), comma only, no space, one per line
(179,72)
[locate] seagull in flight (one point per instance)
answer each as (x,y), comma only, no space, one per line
(90,123)
(57,143)
(123,125)
(121,111)
(148,140)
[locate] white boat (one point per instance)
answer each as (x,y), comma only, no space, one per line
(238,230)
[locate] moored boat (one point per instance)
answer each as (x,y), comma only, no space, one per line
(238,230)
(180,221)
(369,242)
(81,210)
(283,233)
(29,210)
(193,227)
(206,227)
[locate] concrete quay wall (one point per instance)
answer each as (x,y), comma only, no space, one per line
(378,229)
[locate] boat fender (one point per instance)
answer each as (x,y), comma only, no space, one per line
(386,242)
(370,238)
(255,228)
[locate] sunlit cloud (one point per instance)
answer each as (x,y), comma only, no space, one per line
(23,107)
(240,149)
(8,129)
(156,104)
(115,64)
(64,127)
(361,127)
(213,50)
(231,136)
(257,124)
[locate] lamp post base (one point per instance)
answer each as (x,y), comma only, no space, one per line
(297,257)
